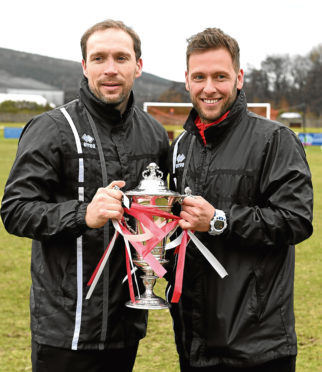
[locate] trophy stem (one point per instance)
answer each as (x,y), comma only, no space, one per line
(149,282)
(148,300)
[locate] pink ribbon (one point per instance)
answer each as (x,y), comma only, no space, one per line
(144,215)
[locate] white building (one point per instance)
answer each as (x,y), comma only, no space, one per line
(17,97)
(52,97)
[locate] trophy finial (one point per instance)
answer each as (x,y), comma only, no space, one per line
(152,172)
(152,184)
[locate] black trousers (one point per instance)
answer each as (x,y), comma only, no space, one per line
(286,364)
(52,359)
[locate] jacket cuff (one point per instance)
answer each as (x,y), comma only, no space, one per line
(80,218)
(226,232)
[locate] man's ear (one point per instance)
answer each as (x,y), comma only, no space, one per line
(84,67)
(187,81)
(139,66)
(240,79)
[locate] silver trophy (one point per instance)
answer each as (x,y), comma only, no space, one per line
(152,192)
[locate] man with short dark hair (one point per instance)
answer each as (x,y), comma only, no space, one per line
(252,201)
(60,193)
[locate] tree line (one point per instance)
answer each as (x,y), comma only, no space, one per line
(288,83)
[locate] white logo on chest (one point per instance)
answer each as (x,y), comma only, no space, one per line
(180,161)
(88,141)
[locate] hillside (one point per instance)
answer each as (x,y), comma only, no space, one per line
(32,71)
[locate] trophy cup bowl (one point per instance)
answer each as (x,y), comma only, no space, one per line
(152,192)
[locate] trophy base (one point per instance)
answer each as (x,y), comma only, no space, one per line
(153,303)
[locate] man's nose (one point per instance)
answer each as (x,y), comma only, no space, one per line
(210,86)
(110,67)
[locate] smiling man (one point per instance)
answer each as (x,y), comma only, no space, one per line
(252,202)
(212,81)
(60,194)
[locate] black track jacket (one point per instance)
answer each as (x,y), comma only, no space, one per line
(55,175)
(256,171)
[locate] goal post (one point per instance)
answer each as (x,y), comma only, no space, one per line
(263,109)
(173,115)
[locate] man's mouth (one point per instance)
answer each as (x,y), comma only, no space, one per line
(110,83)
(210,101)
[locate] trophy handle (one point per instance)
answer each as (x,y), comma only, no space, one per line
(187,192)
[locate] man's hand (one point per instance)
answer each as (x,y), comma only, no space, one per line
(196,214)
(106,204)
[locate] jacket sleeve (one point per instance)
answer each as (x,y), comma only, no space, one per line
(34,204)
(283,214)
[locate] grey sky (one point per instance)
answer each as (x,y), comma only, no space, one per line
(261,28)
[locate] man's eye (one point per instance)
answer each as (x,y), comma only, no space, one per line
(198,77)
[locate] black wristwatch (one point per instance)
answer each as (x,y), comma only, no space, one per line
(218,223)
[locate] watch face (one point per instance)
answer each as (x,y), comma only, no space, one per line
(219,225)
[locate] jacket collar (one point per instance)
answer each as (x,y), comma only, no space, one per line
(238,107)
(101,111)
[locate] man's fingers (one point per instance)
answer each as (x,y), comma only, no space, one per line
(189,217)
(197,217)
(191,210)
(193,201)
(113,189)
(106,204)
(111,213)
(119,183)
(189,200)
(184,225)
(105,194)
(110,197)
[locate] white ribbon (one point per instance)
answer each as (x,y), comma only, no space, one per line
(127,238)
(137,238)
(208,255)
(204,250)
(99,272)
(174,242)
(132,272)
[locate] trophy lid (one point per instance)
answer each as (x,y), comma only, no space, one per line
(152,184)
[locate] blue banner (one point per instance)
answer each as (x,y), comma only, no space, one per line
(12,132)
(311,139)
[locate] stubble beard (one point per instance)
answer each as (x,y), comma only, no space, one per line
(114,101)
(205,118)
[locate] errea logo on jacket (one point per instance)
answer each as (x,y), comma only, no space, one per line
(88,141)
(180,161)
